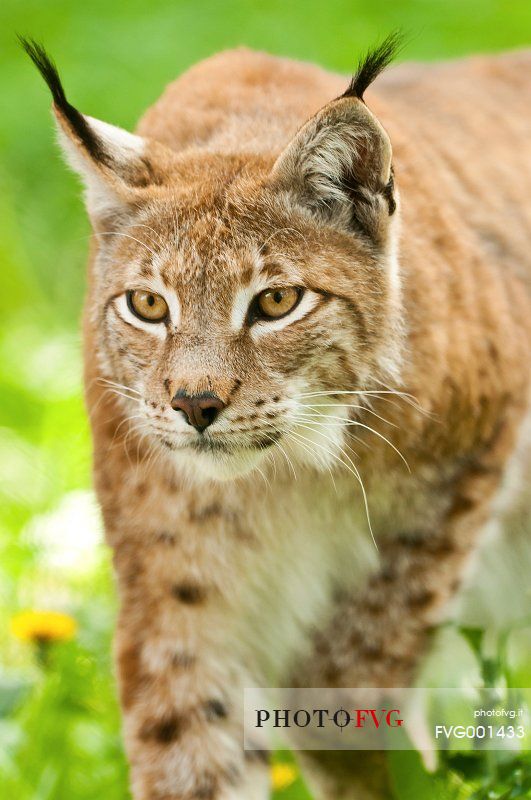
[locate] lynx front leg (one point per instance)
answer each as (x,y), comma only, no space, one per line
(377,637)
(180,680)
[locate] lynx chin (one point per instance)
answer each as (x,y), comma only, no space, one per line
(306,392)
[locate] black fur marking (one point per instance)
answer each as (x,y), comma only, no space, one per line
(207,788)
(263,756)
(189,593)
(76,120)
(164,731)
(166,538)
(374,62)
(215,709)
(183,660)
(389,194)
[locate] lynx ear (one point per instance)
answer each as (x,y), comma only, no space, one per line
(339,163)
(113,163)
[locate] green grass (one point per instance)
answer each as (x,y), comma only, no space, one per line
(59,729)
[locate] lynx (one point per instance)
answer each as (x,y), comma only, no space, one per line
(307,394)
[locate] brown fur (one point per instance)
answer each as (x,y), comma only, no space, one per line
(210,573)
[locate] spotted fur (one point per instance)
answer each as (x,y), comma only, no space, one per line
(243,553)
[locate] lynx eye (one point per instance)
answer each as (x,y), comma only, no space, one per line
(276,303)
(147,306)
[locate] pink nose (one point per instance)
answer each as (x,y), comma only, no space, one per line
(200,410)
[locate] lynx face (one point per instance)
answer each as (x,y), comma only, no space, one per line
(255,309)
(238,299)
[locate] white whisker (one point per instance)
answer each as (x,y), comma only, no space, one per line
(277,443)
(357,424)
(110,390)
(127,236)
(107,382)
(354,470)
(349,405)
(159,240)
(313,454)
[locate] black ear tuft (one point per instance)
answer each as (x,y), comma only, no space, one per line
(47,68)
(77,121)
(374,62)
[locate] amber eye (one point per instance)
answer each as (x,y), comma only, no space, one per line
(147,306)
(276,303)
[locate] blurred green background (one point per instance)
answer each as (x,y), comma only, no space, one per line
(59,725)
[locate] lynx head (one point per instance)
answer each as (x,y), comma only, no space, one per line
(238,298)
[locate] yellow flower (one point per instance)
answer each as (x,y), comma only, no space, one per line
(282,776)
(43,626)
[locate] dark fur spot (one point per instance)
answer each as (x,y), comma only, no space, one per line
(164,731)
(421,598)
(206,512)
(189,593)
(263,756)
(332,673)
(400,661)
(236,386)
(206,788)
(232,774)
(412,541)
(389,194)
(372,652)
(146,272)
(272,270)
(340,595)
(259,402)
(376,604)
(183,660)
(215,709)
(322,647)
(441,546)
(493,351)
(387,574)
(461,505)
(166,538)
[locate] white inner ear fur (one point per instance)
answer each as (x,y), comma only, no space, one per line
(330,144)
(121,145)
(331,153)
(101,193)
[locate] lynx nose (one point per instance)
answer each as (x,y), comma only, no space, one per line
(200,410)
